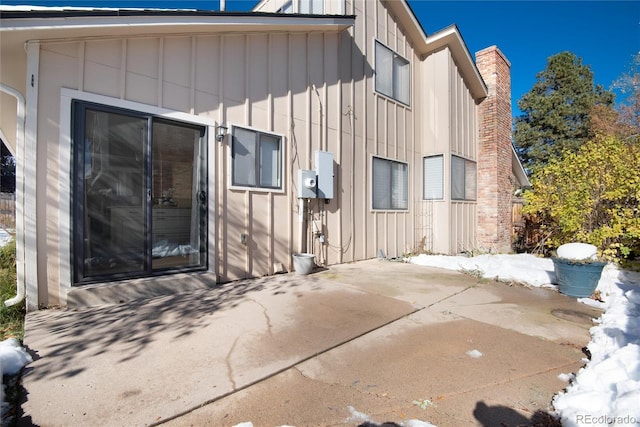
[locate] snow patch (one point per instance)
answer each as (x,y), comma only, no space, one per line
(13,358)
(577,251)
(474,353)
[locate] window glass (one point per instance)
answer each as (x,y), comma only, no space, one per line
(470,185)
(433,178)
(311,7)
(457,178)
(270,161)
(384,70)
(393,74)
(463,179)
(244,157)
(390,189)
(256,159)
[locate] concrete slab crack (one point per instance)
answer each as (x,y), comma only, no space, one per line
(452,295)
(266,316)
(228,362)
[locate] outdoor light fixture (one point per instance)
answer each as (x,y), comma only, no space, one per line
(221,132)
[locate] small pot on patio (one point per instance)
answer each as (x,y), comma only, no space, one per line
(577,269)
(303,263)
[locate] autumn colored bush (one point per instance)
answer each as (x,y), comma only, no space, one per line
(591,196)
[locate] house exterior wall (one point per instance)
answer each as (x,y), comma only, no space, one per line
(314,88)
(449,128)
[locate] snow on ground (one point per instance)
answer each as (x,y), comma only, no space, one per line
(607,390)
(5,237)
(12,359)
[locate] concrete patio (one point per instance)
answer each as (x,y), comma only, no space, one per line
(380,337)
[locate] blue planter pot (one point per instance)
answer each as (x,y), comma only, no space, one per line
(577,278)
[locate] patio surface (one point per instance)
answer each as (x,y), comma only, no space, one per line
(377,336)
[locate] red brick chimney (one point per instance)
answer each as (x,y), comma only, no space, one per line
(495,186)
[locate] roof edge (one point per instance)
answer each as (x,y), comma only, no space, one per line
(452,38)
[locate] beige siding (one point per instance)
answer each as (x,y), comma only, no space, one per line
(450,127)
(318,91)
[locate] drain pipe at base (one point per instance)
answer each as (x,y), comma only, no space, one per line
(21,109)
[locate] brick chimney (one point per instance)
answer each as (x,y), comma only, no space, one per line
(495,186)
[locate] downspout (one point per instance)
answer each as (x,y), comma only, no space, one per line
(20,138)
(222,5)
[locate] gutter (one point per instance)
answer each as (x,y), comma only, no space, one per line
(20,138)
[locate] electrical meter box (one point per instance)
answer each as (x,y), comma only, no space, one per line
(324,170)
(306,184)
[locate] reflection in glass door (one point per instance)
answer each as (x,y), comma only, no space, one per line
(177,201)
(139,194)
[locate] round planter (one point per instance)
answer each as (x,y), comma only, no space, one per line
(577,278)
(303,263)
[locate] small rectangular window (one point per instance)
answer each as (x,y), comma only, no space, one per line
(393,74)
(256,159)
(390,188)
(433,184)
(314,7)
(463,179)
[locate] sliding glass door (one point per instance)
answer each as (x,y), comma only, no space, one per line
(139,194)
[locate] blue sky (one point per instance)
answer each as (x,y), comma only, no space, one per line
(605,34)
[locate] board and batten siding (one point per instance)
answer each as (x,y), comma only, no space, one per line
(315,89)
(450,128)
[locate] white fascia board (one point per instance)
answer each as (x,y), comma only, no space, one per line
(450,37)
(217,22)
(518,170)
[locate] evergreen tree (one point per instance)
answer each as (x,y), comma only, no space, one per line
(556,110)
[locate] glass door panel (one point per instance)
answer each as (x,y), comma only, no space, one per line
(113,214)
(178,197)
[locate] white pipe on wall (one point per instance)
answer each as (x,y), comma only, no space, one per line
(21,114)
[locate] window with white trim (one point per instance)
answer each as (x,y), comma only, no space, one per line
(433,177)
(256,159)
(314,7)
(393,74)
(463,179)
(390,184)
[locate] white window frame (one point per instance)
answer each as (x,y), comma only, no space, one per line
(468,186)
(372,186)
(395,91)
(257,187)
(439,171)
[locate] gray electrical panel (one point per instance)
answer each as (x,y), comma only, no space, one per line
(324,170)
(306,184)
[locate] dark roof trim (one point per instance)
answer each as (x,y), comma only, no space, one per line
(98,12)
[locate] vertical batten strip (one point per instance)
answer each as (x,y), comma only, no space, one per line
(309,136)
(123,68)
(365,169)
(337,182)
(81,60)
(270,219)
(192,82)
(221,217)
(28,193)
(160,99)
(248,206)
